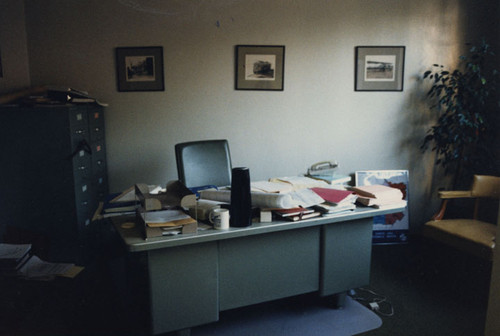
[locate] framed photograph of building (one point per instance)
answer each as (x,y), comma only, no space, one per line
(379,68)
(140,68)
(391,228)
(259,67)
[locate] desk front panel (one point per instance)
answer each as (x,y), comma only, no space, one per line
(267,267)
(345,256)
(183,286)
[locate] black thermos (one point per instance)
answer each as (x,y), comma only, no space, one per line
(240,213)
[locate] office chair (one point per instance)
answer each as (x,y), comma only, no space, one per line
(471,235)
(203,163)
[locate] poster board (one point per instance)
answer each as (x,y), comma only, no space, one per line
(391,228)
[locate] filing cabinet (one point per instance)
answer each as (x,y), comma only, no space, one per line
(53,174)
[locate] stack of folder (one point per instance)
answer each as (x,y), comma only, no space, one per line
(170,222)
(336,200)
(296,214)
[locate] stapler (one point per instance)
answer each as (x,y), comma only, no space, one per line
(322,168)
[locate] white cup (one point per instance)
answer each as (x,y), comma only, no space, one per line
(219,217)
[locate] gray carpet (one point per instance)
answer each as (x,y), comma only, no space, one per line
(299,316)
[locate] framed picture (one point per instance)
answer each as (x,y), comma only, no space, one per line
(259,67)
(379,68)
(139,68)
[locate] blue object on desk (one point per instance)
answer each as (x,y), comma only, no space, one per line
(196,190)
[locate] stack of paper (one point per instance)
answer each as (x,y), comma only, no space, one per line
(13,256)
(335,200)
(259,199)
(271,187)
(379,196)
(296,214)
(37,269)
(300,182)
(17,260)
(170,222)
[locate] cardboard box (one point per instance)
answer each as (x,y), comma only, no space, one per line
(177,196)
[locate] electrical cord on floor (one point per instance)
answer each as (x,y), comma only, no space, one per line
(376,302)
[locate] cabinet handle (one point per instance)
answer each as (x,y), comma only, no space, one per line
(80,131)
(82,145)
(82,168)
(97,129)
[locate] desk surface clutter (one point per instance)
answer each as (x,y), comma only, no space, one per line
(174,210)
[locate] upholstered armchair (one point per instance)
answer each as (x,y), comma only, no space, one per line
(473,234)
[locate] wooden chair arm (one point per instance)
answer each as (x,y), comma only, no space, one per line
(447,195)
(450,194)
(440,214)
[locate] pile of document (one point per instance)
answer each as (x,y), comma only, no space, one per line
(379,196)
(171,221)
(13,257)
(293,198)
(17,260)
(336,200)
(280,193)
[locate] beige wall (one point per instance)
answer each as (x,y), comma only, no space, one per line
(13,50)
(318,116)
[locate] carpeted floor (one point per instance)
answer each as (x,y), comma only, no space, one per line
(432,291)
(298,316)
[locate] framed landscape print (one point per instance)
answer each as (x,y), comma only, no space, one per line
(139,68)
(259,67)
(379,68)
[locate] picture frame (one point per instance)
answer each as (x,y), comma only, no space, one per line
(259,67)
(379,68)
(140,69)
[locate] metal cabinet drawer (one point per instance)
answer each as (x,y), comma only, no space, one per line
(78,118)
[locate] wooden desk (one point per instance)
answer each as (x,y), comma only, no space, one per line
(194,277)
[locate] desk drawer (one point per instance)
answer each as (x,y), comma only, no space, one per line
(78,118)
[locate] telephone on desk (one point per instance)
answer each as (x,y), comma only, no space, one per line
(322,168)
(325,170)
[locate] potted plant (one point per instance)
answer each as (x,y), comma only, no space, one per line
(468,104)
